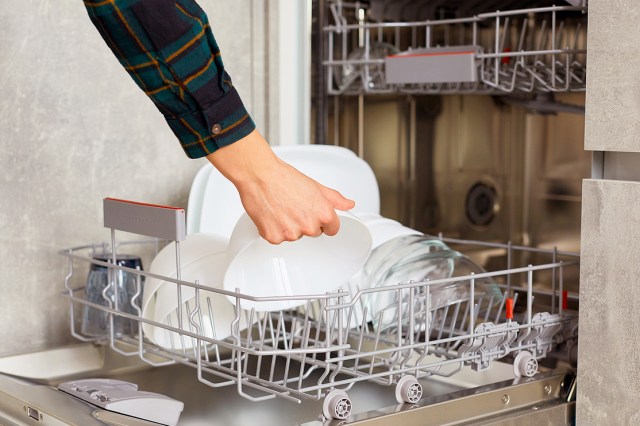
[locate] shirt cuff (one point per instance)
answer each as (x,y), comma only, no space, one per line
(217,125)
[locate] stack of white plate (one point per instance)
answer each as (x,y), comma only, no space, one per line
(225,252)
(250,265)
(215,207)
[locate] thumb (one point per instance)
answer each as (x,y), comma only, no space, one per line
(336,199)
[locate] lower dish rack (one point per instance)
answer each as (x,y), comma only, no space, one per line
(331,342)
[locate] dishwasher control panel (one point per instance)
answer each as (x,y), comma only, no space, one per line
(125,398)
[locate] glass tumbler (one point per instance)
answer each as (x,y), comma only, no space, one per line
(99,290)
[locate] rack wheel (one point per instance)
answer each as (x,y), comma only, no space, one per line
(408,390)
(337,405)
(525,365)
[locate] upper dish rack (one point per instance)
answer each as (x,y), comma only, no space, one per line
(521,51)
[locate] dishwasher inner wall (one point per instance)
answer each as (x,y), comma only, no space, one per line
(471,166)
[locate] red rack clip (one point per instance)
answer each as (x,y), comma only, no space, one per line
(565,300)
(509,308)
(506,59)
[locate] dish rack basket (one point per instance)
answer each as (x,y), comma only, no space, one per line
(537,50)
(329,343)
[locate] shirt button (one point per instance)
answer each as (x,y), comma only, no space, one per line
(216,129)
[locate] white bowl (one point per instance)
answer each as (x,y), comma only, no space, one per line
(383,229)
(309,266)
(332,166)
(202,259)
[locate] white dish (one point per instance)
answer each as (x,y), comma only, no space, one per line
(309,266)
(383,229)
(332,166)
(216,314)
(196,195)
(202,259)
(195,246)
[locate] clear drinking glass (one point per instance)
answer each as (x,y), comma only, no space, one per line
(98,290)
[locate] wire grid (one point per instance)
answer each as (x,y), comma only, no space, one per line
(521,51)
(330,341)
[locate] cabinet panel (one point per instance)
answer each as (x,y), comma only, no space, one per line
(609,352)
(613,89)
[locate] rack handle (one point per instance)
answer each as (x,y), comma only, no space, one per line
(153,220)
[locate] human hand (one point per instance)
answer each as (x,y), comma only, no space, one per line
(283,203)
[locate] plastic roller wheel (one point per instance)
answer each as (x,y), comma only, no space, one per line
(337,405)
(525,365)
(408,390)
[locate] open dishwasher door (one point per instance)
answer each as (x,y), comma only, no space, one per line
(548,397)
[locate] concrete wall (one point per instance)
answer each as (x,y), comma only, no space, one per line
(74,128)
(613,61)
(608,359)
(609,365)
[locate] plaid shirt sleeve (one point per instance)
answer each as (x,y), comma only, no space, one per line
(167,47)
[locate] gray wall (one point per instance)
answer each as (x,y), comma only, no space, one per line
(74,129)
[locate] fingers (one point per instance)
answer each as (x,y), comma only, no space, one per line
(319,222)
(336,199)
(292,232)
(330,226)
(331,223)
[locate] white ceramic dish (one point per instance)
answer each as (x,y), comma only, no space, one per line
(309,266)
(202,259)
(196,195)
(216,313)
(383,229)
(194,247)
(335,167)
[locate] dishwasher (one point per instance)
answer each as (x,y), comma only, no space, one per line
(413,68)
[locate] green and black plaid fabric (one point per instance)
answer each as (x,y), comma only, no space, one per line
(169,50)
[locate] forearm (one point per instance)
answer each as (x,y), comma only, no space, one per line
(247,160)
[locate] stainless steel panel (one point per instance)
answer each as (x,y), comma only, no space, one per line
(553,414)
(223,406)
(621,165)
(482,406)
(473,166)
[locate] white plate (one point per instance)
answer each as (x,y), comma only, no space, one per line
(216,314)
(332,166)
(202,258)
(196,195)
